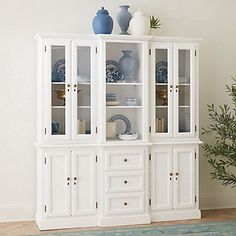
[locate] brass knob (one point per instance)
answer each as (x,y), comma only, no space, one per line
(171,174)
(125,160)
(68,85)
(125,182)
(171,86)
(75,178)
(75,85)
(177,174)
(68,178)
(125,203)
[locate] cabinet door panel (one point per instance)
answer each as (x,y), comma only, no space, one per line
(57,188)
(161,179)
(184,177)
(84,187)
(58,89)
(162,89)
(184,89)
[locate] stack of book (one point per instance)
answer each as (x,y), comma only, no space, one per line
(160,125)
(81,126)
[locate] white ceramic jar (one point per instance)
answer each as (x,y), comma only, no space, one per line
(139,24)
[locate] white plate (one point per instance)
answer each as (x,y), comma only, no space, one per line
(132,136)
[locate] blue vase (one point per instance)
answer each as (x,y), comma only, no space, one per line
(102,22)
(127,64)
(123,19)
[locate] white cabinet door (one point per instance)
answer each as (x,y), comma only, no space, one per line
(161,179)
(58,186)
(83,182)
(184,177)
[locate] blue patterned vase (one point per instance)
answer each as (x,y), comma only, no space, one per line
(102,22)
(127,64)
(123,19)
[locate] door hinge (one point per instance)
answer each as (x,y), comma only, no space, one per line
(45,208)
(45,131)
(150,157)
(96,50)
(45,160)
(96,205)
(45,48)
(195,53)
(96,130)
(150,129)
(150,202)
(96,158)
(150,52)
(195,155)
(195,198)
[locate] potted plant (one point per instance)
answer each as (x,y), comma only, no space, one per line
(155,23)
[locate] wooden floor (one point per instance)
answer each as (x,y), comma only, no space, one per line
(29,227)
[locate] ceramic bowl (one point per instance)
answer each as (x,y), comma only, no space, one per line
(131,101)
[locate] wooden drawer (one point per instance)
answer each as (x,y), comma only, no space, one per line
(121,204)
(125,159)
(124,181)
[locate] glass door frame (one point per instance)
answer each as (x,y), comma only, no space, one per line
(191,48)
(169,48)
(74,85)
(48,88)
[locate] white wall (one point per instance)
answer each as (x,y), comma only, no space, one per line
(212,20)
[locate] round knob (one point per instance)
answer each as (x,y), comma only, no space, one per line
(68,178)
(125,203)
(177,173)
(125,182)
(125,160)
(75,178)
(171,174)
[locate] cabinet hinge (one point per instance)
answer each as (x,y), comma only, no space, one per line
(195,128)
(45,48)
(96,50)
(150,202)
(96,130)
(45,131)
(150,52)
(195,198)
(195,155)
(195,53)
(150,157)
(96,205)
(45,160)
(96,158)
(150,129)
(45,208)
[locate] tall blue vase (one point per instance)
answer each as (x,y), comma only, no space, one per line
(123,19)
(127,64)
(102,22)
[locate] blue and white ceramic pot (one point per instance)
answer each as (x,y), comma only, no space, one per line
(102,22)
(123,19)
(127,64)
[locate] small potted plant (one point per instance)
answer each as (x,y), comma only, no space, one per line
(155,23)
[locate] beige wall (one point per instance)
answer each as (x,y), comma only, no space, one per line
(212,20)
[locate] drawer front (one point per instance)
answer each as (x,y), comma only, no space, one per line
(121,204)
(124,160)
(124,182)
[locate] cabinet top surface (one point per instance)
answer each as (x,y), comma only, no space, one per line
(107,37)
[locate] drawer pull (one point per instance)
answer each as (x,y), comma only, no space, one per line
(125,203)
(125,160)
(125,182)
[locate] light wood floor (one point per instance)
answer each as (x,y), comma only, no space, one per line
(29,227)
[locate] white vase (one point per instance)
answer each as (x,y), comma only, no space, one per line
(139,24)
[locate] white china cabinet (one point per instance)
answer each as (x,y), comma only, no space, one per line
(117,130)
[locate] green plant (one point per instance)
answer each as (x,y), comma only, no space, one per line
(222,153)
(154,22)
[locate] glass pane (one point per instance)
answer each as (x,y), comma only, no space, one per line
(58,90)
(161,101)
(83,90)
(184,90)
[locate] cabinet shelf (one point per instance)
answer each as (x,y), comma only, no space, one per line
(118,84)
(58,107)
(161,106)
(162,84)
(124,107)
(85,83)
(58,83)
(85,107)
(184,106)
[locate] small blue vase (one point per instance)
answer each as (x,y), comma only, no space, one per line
(102,22)
(123,19)
(127,64)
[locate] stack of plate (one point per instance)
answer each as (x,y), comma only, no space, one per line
(111,99)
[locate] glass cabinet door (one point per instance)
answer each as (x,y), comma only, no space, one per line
(82,99)
(184,90)
(58,89)
(163,89)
